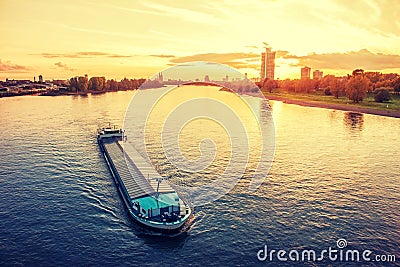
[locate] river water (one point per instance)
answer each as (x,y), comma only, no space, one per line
(335,176)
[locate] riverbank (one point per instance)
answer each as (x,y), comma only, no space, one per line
(346,107)
(58,93)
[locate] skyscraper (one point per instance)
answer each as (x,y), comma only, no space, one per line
(267,64)
(305,72)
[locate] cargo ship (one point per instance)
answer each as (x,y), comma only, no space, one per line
(148,197)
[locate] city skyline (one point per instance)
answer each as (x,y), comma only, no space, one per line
(139,39)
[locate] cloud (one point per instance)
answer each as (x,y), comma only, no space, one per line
(235,60)
(183,65)
(186,14)
(382,15)
(86,54)
(163,56)
(285,54)
(118,56)
(92,54)
(9,67)
(347,61)
(63,66)
(241,65)
(216,57)
(252,46)
(49,55)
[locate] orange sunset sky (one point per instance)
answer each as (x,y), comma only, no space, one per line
(117,39)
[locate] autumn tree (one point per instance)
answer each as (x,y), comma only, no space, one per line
(338,86)
(312,85)
(96,83)
(357,87)
(113,85)
(269,84)
(396,86)
(374,77)
(299,86)
(93,84)
(326,81)
(82,84)
(287,84)
(333,85)
(73,84)
(381,95)
(305,85)
(124,84)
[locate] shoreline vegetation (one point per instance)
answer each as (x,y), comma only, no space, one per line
(78,85)
(342,104)
(363,92)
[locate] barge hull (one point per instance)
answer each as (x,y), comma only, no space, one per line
(167,228)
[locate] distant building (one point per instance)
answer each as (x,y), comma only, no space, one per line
(268,64)
(317,74)
(40,78)
(305,72)
(206,78)
(160,77)
(16,82)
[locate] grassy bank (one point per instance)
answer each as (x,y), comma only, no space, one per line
(320,97)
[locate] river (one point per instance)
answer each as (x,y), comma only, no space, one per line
(335,175)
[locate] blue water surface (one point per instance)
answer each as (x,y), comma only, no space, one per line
(333,177)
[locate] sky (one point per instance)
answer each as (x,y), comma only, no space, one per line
(137,39)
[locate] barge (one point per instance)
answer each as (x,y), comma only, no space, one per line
(148,198)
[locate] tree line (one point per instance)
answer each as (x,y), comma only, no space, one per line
(354,86)
(81,84)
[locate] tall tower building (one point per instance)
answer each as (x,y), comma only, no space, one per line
(305,72)
(267,64)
